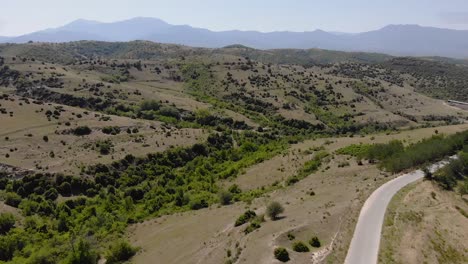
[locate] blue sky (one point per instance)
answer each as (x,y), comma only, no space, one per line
(24,16)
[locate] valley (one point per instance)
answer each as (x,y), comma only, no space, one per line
(136,151)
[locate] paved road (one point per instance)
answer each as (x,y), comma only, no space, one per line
(364,247)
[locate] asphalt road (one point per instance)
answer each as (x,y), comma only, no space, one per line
(364,248)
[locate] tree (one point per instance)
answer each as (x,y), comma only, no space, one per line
(281,254)
(274,209)
(7,222)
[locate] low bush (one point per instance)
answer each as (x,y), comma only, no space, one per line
(315,242)
(121,251)
(281,254)
(81,131)
(300,246)
(245,217)
(7,222)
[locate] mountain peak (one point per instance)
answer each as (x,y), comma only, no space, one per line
(82,22)
(402,27)
(146,19)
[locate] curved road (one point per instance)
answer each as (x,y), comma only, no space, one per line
(364,248)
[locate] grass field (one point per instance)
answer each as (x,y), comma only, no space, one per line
(22,137)
(425,224)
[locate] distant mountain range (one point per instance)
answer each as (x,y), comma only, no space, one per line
(411,40)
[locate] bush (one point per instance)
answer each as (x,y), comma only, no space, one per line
(300,247)
(7,222)
(104,147)
(121,251)
(112,130)
(225,197)
(150,105)
(281,254)
(315,242)
(254,225)
(12,199)
(198,202)
(427,174)
(51,194)
(235,189)
(274,209)
(82,254)
(81,131)
(244,218)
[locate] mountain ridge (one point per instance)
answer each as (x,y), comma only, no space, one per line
(399,40)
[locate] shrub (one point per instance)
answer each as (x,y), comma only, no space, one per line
(65,189)
(150,105)
(300,247)
(12,199)
(120,251)
(245,217)
(315,242)
(104,147)
(7,222)
(197,203)
(225,197)
(51,194)
(81,131)
(235,189)
(274,209)
(254,225)
(427,174)
(45,138)
(281,254)
(82,254)
(112,130)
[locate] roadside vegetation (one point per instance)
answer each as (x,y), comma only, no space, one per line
(395,157)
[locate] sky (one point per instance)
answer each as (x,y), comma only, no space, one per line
(25,16)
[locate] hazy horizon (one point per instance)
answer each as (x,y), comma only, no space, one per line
(263,16)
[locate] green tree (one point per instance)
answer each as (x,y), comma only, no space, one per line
(274,209)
